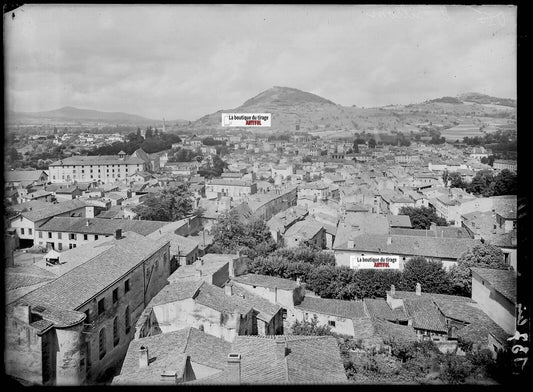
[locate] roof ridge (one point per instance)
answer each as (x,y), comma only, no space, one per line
(187,340)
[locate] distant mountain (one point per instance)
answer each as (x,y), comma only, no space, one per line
(69,113)
(284,96)
(447,100)
(487,99)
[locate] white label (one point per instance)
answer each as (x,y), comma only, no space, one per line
(375,262)
(246,119)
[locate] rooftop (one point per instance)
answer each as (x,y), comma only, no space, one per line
(167,350)
(333,307)
(49,210)
(448,248)
(100,225)
(502,281)
(98,160)
(266,281)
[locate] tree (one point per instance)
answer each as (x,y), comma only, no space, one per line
(430,274)
(421,218)
(505,183)
(310,328)
(445,177)
(479,256)
(481,183)
(307,158)
(456,181)
(231,234)
(169,205)
(372,143)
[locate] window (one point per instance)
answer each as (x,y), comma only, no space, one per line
(101,342)
(59,246)
(96,236)
(101,306)
(40,234)
(116,337)
(127,319)
(72,236)
(59,236)
(22,231)
(30,232)
(127,286)
(85,237)
(87,316)
(115,295)
(49,235)
(331,323)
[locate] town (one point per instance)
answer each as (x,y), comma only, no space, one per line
(246,240)
(341,207)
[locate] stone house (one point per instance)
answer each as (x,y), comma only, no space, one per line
(77,327)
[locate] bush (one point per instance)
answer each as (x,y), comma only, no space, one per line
(455,369)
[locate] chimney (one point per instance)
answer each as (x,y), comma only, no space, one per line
(118,234)
(392,290)
(228,289)
(234,367)
(144,359)
(389,240)
(87,223)
(418,290)
(23,313)
(281,348)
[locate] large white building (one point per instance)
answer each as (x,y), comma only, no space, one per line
(104,168)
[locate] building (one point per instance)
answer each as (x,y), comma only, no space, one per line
(77,327)
(194,355)
(200,359)
(61,233)
(237,189)
(308,231)
(103,168)
(501,164)
(32,216)
(343,317)
(402,247)
(495,292)
(24,178)
(197,304)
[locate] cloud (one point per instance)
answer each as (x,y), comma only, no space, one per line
(186,61)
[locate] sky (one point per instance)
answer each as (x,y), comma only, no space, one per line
(185,61)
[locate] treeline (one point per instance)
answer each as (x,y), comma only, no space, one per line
(153,142)
(321,274)
(485,183)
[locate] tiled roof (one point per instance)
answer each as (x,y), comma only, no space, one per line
(390,331)
(450,248)
(100,225)
(166,351)
(215,298)
(98,160)
(437,297)
(379,308)
(73,289)
(305,229)
(266,281)
(425,314)
(266,309)
(334,307)
(53,209)
(501,280)
(311,359)
(229,182)
(178,244)
(399,220)
(176,292)
(22,175)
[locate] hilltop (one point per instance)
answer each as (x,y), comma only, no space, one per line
(69,113)
(296,110)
